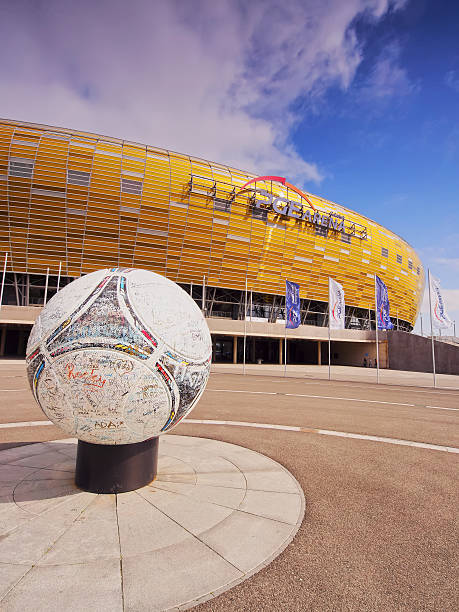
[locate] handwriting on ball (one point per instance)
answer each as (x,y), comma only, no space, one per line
(89,378)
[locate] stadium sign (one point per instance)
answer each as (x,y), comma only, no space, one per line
(294,209)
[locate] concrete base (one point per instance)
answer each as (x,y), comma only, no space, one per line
(216,514)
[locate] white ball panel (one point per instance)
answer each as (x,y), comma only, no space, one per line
(113,398)
(173,314)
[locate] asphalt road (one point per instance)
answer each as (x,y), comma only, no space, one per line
(381,524)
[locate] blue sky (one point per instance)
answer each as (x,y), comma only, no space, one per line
(388,145)
(355,100)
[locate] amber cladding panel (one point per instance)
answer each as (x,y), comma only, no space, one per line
(92,201)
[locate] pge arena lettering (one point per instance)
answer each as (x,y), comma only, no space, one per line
(88,378)
(295,210)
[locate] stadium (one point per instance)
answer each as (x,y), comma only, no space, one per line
(73,202)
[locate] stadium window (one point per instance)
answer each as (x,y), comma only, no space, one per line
(77,177)
(346,238)
(399,259)
(384,252)
(130,186)
(410,264)
(22,167)
(418,269)
(222,205)
(259,213)
(321,231)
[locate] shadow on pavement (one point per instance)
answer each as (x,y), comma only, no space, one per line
(36,472)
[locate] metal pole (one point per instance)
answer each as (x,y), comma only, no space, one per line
(204,295)
(16,288)
(397,318)
(422,333)
(245,325)
(59,276)
(454,328)
(431,334)
(46,287)
(285,346)
(251,305)
(191,289)
(3,279)
(377,337)
(329,349)
(369,317)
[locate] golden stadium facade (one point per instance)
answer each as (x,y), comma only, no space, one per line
(79,202)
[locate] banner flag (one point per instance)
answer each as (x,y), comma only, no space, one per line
(292,305)
(382,305)
(440,318)
(337,306)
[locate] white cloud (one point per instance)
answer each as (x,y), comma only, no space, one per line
(388,79)
(450,262)
(452,79)
(214,79)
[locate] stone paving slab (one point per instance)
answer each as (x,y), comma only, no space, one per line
(216,514)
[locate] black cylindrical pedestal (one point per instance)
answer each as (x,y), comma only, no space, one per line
(109,468)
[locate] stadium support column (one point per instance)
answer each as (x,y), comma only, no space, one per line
(234,349)
(319,352)
(281,360)
(2,341)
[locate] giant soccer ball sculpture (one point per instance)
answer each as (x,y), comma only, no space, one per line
(118,357)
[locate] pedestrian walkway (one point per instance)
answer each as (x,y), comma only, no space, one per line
(342,373)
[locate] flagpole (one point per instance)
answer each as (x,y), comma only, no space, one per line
(59,276)
(285,345)
(377,337)
(203,295)
(431,334)
(329,350)
(245,325)
(285,332)
(46,287)
(3,279)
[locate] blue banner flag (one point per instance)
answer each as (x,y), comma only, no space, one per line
(382,305)
(292,305)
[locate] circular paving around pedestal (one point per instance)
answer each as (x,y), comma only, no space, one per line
(216,514)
